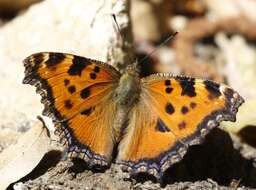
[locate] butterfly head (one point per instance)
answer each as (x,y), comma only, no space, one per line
(128,90)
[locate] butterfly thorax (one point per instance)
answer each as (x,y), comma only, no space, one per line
(128,91)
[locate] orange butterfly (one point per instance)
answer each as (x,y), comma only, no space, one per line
(152,120)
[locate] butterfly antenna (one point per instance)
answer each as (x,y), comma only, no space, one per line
(161,45)
(121,35)
(117,26)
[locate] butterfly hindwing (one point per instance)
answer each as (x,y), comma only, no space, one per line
(76,92)
(174,112)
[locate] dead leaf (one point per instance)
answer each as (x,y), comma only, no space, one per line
(20,159)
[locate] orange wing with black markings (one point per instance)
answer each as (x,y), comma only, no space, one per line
(76,92)
(174,112)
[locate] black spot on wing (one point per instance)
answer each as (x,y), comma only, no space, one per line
(85,93)
(169,108)
(167,82)
(78,65)
(54,59)
(96,69)
(168,90)
(93,76)
(184,109)
(182,125)
(87,111)
(160,126)
(212,88)
(66,82)
(187,86)
(68,104)
(192,105)
(72,89)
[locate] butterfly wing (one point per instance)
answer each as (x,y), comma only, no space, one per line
(76,92)
(173,112)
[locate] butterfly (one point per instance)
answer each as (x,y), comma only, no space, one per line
(151,120)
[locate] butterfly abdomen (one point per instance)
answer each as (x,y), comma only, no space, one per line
(126,95)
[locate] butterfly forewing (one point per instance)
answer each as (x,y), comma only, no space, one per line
(76,92)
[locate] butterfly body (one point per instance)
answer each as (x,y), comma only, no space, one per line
(151,120)
(129,88)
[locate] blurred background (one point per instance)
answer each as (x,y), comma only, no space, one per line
(216,40)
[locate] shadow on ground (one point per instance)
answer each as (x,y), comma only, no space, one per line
(216,159)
